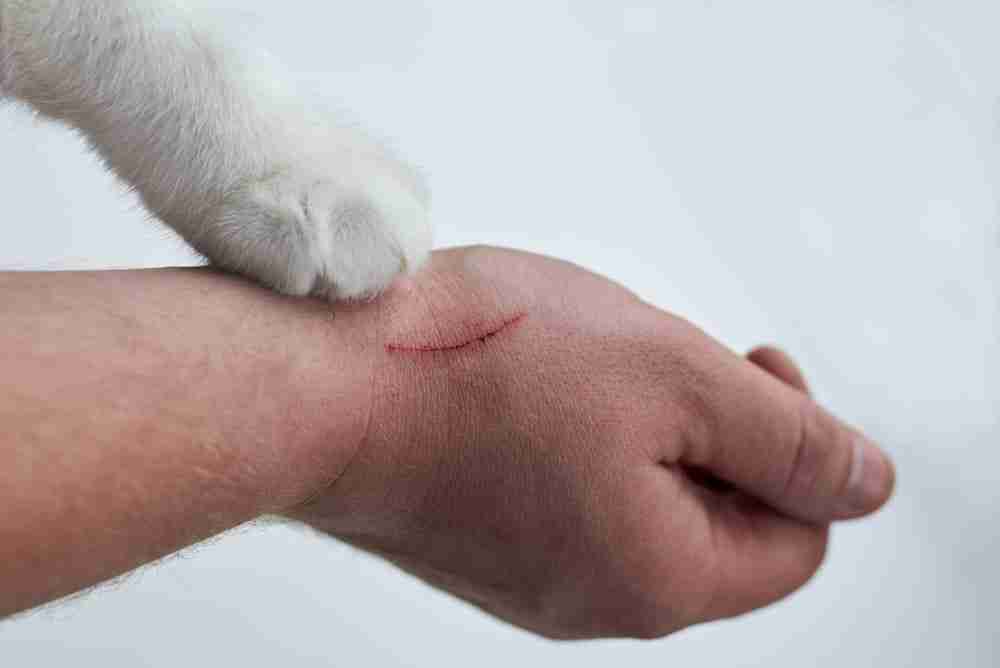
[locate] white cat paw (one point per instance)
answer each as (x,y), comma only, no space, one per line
(344,235)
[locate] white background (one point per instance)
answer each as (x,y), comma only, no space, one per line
(819,174)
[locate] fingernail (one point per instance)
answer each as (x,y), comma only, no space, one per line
(870,477)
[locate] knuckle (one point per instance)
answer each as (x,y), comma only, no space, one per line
(652,631)
(812,555)
(653,613)
(651,625)
(820,463)
(816,554)
(805,465)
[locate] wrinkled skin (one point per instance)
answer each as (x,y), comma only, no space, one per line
(546,446)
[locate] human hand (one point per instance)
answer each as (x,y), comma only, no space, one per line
(546,446)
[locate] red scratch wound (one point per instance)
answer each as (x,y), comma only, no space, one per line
(481,338)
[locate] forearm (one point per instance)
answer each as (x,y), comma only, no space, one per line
(143,411)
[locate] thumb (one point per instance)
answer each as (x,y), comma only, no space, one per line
(770,439)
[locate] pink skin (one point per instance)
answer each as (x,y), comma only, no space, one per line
(546,446)
(518,431)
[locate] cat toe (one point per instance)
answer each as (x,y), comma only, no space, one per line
(337,239)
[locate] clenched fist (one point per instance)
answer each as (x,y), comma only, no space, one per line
(548,447)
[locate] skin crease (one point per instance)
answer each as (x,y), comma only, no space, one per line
(530,449)
(511,428)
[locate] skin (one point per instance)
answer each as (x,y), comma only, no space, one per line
(513,429)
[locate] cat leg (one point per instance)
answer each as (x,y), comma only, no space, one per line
(218,145)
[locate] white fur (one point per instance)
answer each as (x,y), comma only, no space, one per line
(216,144)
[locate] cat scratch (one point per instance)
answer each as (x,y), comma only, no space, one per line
(482,338)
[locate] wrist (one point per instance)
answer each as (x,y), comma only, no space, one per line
(325,414)
(428,350)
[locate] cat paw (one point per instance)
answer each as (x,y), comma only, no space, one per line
(343,236)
